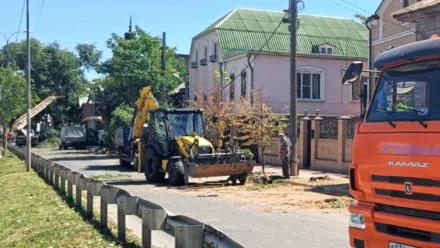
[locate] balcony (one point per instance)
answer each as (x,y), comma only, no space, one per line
(203,62)
(213,58)
(194,65)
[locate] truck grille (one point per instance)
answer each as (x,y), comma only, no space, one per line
(405,232)
(408,233)
(402,194)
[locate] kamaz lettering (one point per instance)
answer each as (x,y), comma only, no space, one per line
(411,150)
(407,164)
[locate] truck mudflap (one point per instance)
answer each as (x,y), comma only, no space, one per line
(219,165)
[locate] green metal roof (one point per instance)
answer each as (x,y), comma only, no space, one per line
(245,29)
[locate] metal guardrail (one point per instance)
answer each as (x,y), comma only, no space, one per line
(187,232)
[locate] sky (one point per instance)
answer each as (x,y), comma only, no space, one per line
(93,21)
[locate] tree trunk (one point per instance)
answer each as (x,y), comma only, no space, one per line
(262,158)
(5,140)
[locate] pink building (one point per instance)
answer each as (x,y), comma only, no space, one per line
(326,46)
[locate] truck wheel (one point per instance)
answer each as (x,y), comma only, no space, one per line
(233,179)
(242,179)
(122,162)
(152,166)
(176,174)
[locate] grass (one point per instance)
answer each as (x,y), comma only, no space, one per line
(34,215)
(260,180)
(108,177)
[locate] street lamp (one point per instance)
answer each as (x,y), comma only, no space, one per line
(7,45)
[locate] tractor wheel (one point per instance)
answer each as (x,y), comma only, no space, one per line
(242,179)
(152,166)
(176,174)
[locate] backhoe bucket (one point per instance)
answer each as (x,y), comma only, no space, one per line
(219,165)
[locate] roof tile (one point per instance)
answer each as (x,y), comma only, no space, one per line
(245,29)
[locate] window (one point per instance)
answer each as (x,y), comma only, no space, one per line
(206,53)
(309,85)
(232,88)
(215,50)
(326,49)
(407,93)
(243,84)
(197,56)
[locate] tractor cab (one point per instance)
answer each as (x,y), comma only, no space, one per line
(165,125)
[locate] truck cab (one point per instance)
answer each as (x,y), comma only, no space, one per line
(395,173)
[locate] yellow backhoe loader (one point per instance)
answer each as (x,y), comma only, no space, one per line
(173,141)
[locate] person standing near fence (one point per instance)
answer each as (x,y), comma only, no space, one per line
(285,154)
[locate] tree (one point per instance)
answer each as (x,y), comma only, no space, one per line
(256,122)
(218,114)
(12,98)
(136,63)
(122,115)
(88,55)
(54,71)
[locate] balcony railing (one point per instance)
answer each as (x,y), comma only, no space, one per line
(203,62)
(194,65)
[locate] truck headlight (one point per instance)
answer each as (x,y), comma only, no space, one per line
(357,220)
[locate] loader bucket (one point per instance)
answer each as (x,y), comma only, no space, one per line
(219,165)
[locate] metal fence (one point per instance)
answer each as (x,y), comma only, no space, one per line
(187,232)
(329,128)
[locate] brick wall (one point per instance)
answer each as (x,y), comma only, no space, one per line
(327,149)
(329,153)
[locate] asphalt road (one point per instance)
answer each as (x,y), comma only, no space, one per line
(251,227)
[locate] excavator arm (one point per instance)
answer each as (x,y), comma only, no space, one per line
(145,102)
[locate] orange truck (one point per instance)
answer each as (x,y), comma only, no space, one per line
(395,171)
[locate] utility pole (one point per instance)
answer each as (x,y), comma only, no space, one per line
(28,98)
(294,171)
(163,65)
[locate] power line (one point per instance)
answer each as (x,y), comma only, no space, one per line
(39,15)
(385,20)
(347,2)
(345,7)
(21,19)
(256,55)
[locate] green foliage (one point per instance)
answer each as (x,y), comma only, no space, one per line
(55,71)
(12,95)
(52,133)
(50,143)
(135,64)
(248,154)
(89,55)
(122,115)
(52,139)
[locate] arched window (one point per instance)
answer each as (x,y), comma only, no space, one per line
(232,87)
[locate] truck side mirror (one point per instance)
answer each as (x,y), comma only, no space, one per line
(353,73)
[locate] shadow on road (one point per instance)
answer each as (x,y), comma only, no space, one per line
(82,158)
(332,190)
